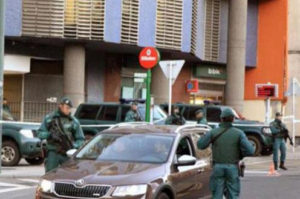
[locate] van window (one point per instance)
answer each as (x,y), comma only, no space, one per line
(108,113)
(213,114)
(125,109)
(185,112)
(184,147)
(88,112)
(193,110)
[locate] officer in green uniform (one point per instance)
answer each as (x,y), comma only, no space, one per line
(132,115)
(277,128)
(229,146)
(200,117)
(175,118)
(55,155)
(6,106)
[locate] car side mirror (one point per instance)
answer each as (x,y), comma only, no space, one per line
(71,152)
(186,160)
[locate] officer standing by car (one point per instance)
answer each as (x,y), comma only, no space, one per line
(199,114)
(132,115)
(229,146)
(62,132)
(279,132)
(175,118)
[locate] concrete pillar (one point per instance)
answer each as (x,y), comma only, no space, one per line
(74,73)
(159,86)
(236,58)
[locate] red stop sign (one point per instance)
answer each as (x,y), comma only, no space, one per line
(149,57)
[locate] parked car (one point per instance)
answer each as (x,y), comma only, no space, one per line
(142,161)
(19,140)
(97,117)
(259,134)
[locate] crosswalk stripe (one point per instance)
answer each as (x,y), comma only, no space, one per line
(13,187)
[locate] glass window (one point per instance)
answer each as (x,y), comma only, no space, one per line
(108,113)
(158,113)
(128,148)
(88,112)
(184,147)
(193,110)
(185,112)
(125,109)
(213,114)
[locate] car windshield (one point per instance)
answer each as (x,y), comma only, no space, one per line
(128,148)
(158,113)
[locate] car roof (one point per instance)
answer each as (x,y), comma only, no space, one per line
(151,129)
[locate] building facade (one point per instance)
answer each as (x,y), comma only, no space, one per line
(88,49)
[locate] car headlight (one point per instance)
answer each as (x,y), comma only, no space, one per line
(267,130)
(46,186)
(27,133)
(132,190)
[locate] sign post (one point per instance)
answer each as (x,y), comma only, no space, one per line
(1,65)
(148,59)
(171,69)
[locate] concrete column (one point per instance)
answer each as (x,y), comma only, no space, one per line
(74,73)
(159,86)
(236,58)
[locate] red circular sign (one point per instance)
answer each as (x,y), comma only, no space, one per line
(149,57)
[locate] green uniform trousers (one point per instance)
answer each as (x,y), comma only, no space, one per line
(225,179)
(279,144)
(54,160)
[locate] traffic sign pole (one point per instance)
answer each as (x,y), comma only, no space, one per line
(148,96)
(170,89)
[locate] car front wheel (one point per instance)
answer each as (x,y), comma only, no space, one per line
(256,144)
(10,155)
(35,161)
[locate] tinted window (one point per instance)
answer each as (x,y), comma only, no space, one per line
(185,112)
(125,109)
(88,112)
(128,148)
(213,114)
(184,147)
(108,113)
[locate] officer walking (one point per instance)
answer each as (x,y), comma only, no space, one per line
(229,146)
(132,115)
(175,118)
(279,129)
(67,130)
(200,117)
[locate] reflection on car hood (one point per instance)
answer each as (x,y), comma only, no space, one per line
(111,173)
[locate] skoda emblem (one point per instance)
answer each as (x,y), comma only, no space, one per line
(79,183)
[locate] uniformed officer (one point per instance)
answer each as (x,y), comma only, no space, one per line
(277,128)
(132,115)
(229,146)
(200,117)
(175,118)
(55,153)
(6,106)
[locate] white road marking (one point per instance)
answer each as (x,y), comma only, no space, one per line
(259,162)
(12,187)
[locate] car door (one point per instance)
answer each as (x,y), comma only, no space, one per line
(183,178)
(108,115)
(203,165)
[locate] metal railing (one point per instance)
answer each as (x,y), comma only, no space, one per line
(31,111)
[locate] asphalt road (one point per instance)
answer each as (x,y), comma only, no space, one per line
(15,184)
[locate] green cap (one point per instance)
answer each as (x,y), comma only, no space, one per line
(66,101)
(199,111)
(227,112)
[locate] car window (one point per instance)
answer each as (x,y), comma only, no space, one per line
(184,147)
(108,113)
(88,112)
(158,114)
(125,109)
(213,114)
(128,148)
(185,112)
(200,154)
(193,110)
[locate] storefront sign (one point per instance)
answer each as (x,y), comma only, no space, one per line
(149,57)
(210,71)
(192,86)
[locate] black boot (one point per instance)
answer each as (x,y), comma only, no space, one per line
(282,166)
(275,166)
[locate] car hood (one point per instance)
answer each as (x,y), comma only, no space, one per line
(111,173)
(249,123)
